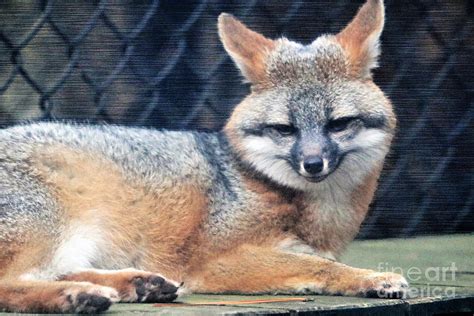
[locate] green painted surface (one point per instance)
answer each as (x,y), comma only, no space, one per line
(423,252)
(425,262)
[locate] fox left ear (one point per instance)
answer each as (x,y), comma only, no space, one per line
(248,49)
(360,39)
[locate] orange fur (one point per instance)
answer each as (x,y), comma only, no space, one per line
(281,204)
(132,285)
(121,281)
(51,297)
(364,193)
(174,233)
(9,251)
(263,269)
(26,255)
(153,227)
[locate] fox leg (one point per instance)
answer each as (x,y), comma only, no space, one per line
(23,288)
(133,286)
(258,269)
(55,297)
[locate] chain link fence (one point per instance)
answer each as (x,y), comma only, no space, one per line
(160,64)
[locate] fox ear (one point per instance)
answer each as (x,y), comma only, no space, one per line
(247,48)
(360,39)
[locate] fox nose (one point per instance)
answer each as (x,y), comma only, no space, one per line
(313,165)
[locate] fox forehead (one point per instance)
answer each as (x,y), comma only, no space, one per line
(294,64)
(313,105)
(315,82)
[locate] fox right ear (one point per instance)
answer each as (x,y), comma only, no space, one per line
(361,37)
(247,48)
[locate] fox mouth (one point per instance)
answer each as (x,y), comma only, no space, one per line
(315,179)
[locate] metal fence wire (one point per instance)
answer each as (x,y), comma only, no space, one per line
(160,64)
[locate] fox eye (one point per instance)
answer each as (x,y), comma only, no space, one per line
(282,129)
(340,124)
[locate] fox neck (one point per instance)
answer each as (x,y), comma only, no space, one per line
(325,215)
(331,217)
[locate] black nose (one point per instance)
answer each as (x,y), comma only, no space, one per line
(313,165)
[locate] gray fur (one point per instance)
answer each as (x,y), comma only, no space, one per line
(296,65)
(154,158)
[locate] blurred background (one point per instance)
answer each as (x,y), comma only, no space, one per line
(160,64)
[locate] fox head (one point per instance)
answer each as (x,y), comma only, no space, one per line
(314,114)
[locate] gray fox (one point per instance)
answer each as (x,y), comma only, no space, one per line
(264,206)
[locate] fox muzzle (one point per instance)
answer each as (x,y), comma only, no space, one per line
(314,155)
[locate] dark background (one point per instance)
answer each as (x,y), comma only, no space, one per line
(160,64)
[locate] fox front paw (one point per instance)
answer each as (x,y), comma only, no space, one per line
(154,289)
(88,299)
(133,286)
(384,285)
(146,287)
